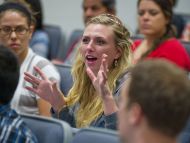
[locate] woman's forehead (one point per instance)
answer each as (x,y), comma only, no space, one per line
(99,29)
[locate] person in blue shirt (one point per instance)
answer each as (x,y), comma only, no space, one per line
(12,127)
(40,39)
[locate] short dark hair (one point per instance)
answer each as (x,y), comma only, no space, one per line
(9,74)
(110,5)
(37,10)
(162,91)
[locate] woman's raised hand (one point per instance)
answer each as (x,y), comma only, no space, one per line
(46,89)
(100,81)
(100,84)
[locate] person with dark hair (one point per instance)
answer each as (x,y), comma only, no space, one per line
(12,127)
(93,8)
(39,42)
(154,18)
(40,39)
(90,8)
(16,27)
(186,33)
(155,103)
(178,22)
(105,51)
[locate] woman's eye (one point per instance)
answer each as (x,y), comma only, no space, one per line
(100,42)
(85,40)
(153,12)
(140,13)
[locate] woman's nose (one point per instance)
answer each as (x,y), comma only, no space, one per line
(13,35)
(90,46)
(145,16)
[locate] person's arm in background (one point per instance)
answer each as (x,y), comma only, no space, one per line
(44,107)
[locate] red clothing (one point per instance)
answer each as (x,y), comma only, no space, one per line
(170,49)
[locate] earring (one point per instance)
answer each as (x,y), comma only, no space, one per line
(115,63)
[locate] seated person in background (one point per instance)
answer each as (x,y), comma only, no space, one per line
(154,104)
(178,22)
(15,33)
(105,51)
(12,128)
(40,40)
(159,41)
(186,33)
(91,8)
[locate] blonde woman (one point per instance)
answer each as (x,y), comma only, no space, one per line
(102,60)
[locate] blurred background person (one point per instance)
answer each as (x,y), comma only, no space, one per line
(16,27)
(154,109)
(154,19)
(178,21)
(186,32)
(40,40)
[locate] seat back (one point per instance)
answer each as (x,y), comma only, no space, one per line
(57,40)
(95,135)
(137,37)
(184,136)
(66,77)
(187,47)
(48,130)
(185,16)
(73,39)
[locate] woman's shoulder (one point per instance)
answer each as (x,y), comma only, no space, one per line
(171,42)
(171,45)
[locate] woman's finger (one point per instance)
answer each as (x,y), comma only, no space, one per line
(90,74)
(38,70)
(104,75)
(31,89)
(32,79)
(104,62)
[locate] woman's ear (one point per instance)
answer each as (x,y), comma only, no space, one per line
(118,53)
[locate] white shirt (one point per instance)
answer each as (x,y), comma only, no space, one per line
(23,100)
